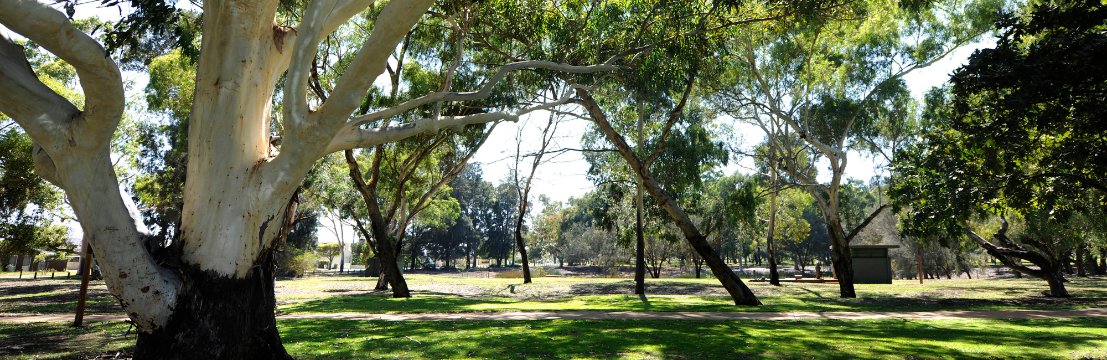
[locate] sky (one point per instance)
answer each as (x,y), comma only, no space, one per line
(563,176)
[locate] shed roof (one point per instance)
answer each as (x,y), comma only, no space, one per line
(873,246)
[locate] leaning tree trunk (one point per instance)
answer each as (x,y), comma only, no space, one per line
(739,292)
(1056,281)
(1012,254)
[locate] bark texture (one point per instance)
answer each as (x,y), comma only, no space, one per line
(219,317)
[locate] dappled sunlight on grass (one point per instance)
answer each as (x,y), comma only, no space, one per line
(687,295)
(60,341)
(336,339)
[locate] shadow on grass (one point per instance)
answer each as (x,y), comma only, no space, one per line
(60,341)
(652,288)
(441,302)
(53,297)
(384,303)
(336,339)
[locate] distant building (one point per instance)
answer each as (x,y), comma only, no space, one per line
(871,264)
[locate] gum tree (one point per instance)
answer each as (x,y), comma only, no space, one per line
(209,294)
(1014,160)
(829,78)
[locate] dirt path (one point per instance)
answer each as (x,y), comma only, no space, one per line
(639,315)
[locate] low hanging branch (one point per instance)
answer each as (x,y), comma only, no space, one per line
(857,229)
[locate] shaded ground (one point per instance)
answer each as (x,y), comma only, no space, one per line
(444,293)
(599,339)
(60,341)
(463,293)
(643,337)
(47,296)
(643,315)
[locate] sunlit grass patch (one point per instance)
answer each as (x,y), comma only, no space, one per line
(336,339)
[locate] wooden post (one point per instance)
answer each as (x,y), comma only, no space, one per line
(85,269)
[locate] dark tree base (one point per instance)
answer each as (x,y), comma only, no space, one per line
(219,318)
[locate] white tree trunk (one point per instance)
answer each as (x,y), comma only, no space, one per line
(213,299)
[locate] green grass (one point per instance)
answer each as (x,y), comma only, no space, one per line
(459,294)
(60,341)
(1037,339)
(452,293)
(560,339)
(46,296)
(565,339)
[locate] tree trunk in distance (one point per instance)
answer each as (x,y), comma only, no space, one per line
(842,259)
(522,248)
(774,276)
(739,292)
(1102,262)
(85,268)
(386,249)
(1080,262)
(1057,284)
(640,245)
(341,257)
(382,280)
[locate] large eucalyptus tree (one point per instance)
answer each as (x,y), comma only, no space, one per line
(209,294)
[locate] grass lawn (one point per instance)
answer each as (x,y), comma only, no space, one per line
(579,339)
(447,293)
(557,339)
(53,296)
(453,293)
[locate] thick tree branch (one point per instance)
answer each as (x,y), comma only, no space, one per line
(484,91)
(361,229)
(674,115)
(34,106)
(392,25)
(343,11)
(309,34)
(857,230)
(72,151)
(99,75)
(1008,256)
(360,138)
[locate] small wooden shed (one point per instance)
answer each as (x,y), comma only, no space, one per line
(871,264)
